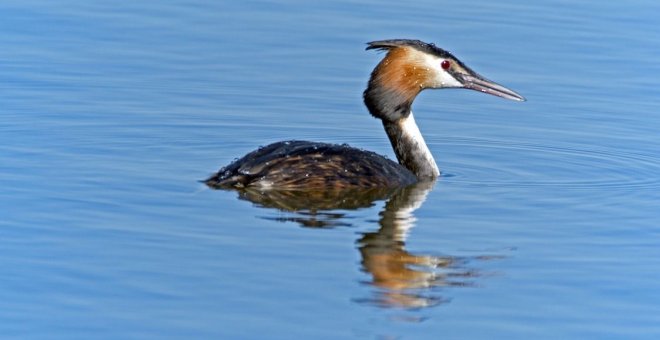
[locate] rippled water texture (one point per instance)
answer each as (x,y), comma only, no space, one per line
(544,224)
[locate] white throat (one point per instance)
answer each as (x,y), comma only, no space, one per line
(410,148)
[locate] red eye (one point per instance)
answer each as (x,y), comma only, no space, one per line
(445,64)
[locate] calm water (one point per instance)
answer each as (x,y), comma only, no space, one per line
(544,225)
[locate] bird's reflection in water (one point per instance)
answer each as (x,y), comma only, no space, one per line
(401,279)
(316,209)
(405,279)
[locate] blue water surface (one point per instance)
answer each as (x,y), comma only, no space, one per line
(111,113)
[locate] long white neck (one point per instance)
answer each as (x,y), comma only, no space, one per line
(410,148)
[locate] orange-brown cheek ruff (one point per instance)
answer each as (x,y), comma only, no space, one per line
(402,72)
(395,83)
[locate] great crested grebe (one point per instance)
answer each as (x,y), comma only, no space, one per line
(409,67)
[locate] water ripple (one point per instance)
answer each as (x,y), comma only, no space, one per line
(501,163)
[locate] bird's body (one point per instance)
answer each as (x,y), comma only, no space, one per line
(409,67)
(302,164)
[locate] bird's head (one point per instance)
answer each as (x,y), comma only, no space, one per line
(411,66)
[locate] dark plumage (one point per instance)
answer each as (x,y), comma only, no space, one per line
(310,165)
(416,44)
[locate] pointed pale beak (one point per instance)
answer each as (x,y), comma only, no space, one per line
(481,84)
